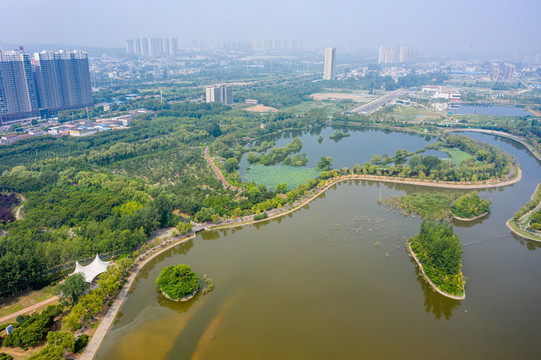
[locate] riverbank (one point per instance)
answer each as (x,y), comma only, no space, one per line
(107,321)
(469,219)
(432,285)
(334,181)
(514,225)
(530,148)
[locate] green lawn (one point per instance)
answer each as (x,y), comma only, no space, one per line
(456,156)
(271,176)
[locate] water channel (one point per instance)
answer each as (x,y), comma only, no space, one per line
(333,281)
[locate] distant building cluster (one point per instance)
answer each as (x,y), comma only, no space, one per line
(222,93)
(85,128)
(502,71)
(166,46)
(439,93)
(43,85)
(330,60)
(277,45)
(401,54)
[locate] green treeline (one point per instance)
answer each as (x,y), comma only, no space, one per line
(439,250)
(487,162)
(470,205)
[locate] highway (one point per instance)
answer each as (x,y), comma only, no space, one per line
(375,105)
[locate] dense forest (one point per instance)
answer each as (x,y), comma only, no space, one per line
(107,192)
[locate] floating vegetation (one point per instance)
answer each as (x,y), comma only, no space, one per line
(208,284)
(376,244)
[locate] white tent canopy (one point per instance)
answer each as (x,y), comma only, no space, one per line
(89,272)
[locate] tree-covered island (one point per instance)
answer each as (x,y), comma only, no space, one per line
(180,283)
(438,252)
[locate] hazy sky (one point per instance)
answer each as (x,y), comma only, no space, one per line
(456,25)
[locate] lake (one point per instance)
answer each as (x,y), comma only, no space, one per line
(333,281)
(485,109)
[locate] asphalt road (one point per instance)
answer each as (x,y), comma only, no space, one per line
(378,103)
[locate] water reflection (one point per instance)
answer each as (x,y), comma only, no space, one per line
(435,303)
(180,307)
(529,244)
(469,224)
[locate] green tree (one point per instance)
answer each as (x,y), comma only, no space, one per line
(71,289)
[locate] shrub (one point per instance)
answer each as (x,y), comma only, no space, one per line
(81,343)
(261,216)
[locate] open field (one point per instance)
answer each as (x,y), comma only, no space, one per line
(343,96)
(456,156)
(8,306)
(328,105)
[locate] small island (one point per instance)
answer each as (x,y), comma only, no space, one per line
(180,283)
(470,207)
(339,135)
(438,253)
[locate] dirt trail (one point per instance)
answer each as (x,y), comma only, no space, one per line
(28,309)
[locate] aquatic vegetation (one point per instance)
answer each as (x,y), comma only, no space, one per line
(271,176)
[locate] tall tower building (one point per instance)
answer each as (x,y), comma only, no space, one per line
(130,46)
(18,97)
(220,93)
(330,58)
(508,71)
(63,80)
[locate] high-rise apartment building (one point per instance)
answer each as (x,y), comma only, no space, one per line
(130,46)
(220,93)
(49,83)
(63,80)
(18,97)
(508,71)
(152,46)
(330,59)
(389,55)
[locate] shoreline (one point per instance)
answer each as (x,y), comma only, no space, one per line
(416,182)
(508,222)
(432,285)
(96,340)
(469,219)
(107,321)
(530,148)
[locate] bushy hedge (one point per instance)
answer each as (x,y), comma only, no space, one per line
(261,216)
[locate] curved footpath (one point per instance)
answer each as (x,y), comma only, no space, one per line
(107,321)
(437,289)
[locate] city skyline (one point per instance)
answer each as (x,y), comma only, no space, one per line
(459,27)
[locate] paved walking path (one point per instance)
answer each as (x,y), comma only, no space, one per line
(217,171)
(28,309)
(107,321)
